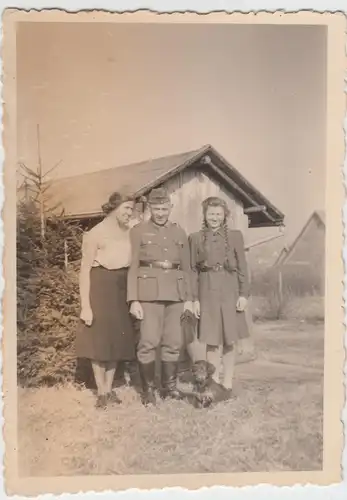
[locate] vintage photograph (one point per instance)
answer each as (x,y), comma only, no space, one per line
(171,212)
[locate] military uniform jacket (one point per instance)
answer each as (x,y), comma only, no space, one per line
(151,243)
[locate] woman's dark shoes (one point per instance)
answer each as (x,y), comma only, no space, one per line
(101,402)
(113,398)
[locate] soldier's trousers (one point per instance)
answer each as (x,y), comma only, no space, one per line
(161,325)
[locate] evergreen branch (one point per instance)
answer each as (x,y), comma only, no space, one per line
(30,173)
(51,169)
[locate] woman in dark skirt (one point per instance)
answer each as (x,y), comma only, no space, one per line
(106,335)
(220,286)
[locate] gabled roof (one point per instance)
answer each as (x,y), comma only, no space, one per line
(81,196)
(286,252)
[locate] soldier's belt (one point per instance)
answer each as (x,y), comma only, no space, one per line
(165,264)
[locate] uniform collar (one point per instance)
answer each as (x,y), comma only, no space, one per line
(157,227)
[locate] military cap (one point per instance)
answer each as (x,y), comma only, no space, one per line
(158,196)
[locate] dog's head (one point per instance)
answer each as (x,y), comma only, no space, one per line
(202,372)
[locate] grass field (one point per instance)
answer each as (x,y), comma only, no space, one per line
(274,423)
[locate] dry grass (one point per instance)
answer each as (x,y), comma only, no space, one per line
(302,296)
(306,308)
(275,422)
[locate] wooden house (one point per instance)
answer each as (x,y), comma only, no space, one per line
(189,177)
(305,257)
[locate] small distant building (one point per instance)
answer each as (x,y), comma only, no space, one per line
(305,258)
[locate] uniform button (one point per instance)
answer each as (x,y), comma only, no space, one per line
(165,249)
(165,238)
(145,275)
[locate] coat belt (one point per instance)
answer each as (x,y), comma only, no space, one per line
(165,264)
(215,268)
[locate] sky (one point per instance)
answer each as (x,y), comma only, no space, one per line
(106,95)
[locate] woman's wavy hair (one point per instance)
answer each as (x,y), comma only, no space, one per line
(215,201)
(115,200)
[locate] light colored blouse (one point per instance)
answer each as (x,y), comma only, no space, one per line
(106,245)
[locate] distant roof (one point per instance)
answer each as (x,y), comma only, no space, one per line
(81,196)
(284,255)
(320,214)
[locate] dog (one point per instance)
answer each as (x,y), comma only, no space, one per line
(207,392)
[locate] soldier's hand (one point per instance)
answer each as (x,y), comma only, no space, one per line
(241,304)
(87,315)
(136,310)
(196,308)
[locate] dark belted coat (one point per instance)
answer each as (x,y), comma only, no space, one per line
(219,290)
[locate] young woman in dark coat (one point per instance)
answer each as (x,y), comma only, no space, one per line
(220,287)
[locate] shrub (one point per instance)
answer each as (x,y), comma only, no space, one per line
(46,344)
(47,299)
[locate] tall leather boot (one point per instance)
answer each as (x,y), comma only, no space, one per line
(134,375)
(147,374)
(169,379)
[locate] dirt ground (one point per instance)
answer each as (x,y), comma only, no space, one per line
(273,424)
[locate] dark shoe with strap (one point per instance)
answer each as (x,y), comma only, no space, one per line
(113,398)
(101,402)
(169,380)
(147,374)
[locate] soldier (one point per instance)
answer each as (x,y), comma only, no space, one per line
(159,292)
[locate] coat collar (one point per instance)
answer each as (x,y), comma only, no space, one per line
(219,231)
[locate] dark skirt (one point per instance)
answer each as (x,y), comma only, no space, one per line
(111,337)
(220,323)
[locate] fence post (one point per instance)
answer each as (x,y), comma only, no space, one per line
(280,286)
(66,255)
